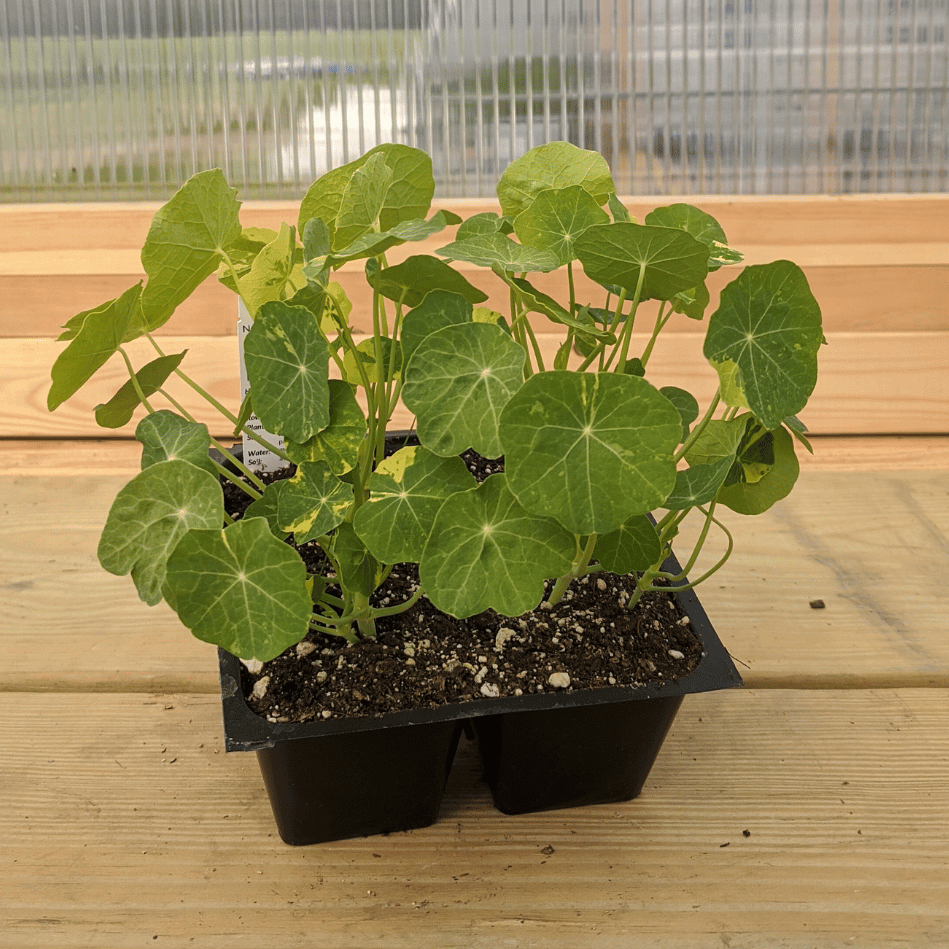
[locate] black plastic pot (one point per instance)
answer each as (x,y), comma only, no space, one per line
(334,779)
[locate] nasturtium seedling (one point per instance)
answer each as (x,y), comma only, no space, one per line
(588,466)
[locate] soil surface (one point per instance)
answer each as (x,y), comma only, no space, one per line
(424,659)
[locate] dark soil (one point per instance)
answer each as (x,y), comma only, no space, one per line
(424,659)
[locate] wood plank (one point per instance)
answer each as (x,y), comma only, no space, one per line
(884,298)
(856,540)
(855,260)
(746,219)
(870,383)
(121,456)
(125,824)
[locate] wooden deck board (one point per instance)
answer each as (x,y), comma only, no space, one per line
(122,456)
(123,820)
(898,295)
(869,383)
(856,259)
(857,540)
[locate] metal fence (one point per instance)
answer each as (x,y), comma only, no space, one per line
(124,99)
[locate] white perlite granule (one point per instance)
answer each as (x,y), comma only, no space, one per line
(559,680)
(260,687)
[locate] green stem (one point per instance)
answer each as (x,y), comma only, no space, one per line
(135,383)
(657,329)
(703,535)
(573,295)
(696,432)
(578,568)
(529,332)
(627,333)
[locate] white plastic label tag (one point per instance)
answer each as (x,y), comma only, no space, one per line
(255,455)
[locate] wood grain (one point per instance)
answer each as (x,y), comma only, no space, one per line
(871,545)
(876,263)
(746,219)
(122,456)
(123,821)
(869,383)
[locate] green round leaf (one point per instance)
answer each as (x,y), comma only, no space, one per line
(457,383)
(632,546)
(557,218)
(554,165)
(756,497)
(405,492)
(589,449)
(486,552)
(439,309)
(166,436)
(313,502)
(241,588)
(669,260)
(150,515)
(286,356)
(764,337)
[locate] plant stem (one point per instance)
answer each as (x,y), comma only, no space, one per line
(697,431)
(660,323)
(627,333)
(578,568)
(135,382)
(529,332)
